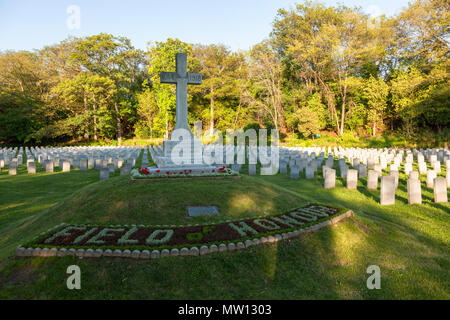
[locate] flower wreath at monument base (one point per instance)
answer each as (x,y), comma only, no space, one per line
(144,242)
(146,173)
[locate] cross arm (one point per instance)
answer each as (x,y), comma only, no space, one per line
(168,77)
(194,78)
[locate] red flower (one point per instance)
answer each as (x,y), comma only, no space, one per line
(203,171)
(213,170)
(181,172)
(158,171)
(190,170)
(167,172)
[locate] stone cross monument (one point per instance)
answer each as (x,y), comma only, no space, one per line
(181,78)
(192,148)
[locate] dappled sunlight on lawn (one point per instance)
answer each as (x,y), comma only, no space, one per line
(407,242)
(13,205)
(118,206)
(344,244)
(250,203)
(399,255)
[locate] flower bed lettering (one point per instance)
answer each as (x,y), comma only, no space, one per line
(134,237)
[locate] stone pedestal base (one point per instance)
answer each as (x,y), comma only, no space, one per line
(173,157)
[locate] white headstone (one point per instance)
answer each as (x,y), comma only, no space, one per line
(431,175)
(31,167)
(387,190)
(414,191)
(372,180)
(330,179)
(395,174)
(104,173)
(66,166)
(440,190)
(352,179)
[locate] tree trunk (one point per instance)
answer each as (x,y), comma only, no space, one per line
(151,129)
(237,116)
(166,134)
(119,124)
(94,107)
(343,112)
(95,128)
(86,132)
(330,101)
(211,120)
(334,113)
(374,131)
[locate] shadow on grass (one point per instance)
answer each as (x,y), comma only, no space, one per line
(409,243)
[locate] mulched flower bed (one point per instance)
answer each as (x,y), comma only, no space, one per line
(94,237)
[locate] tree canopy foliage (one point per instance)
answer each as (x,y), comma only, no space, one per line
(321,68)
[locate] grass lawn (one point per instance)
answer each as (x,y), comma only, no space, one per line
(408,242)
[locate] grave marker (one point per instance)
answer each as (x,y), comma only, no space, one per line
(396,175)
(31,167)
(440,190)
(414,191)
(431,175)
(66,166)
(330,179)
(372,180)
(387,190)
(104,173)
(352,179)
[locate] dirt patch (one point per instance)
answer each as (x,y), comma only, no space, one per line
(23,276)
(362,227)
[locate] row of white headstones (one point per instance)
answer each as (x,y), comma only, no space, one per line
(368,163)
(104,159)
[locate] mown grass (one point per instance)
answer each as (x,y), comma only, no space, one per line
(386,140)
(409,242)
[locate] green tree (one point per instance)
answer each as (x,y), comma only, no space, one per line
(376,93)
(162,58)
(421,34)
(405,97)
(305,121)
(116,59)
(222,70)
(147,112)
(85,100)
(326,48)
(266,78)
